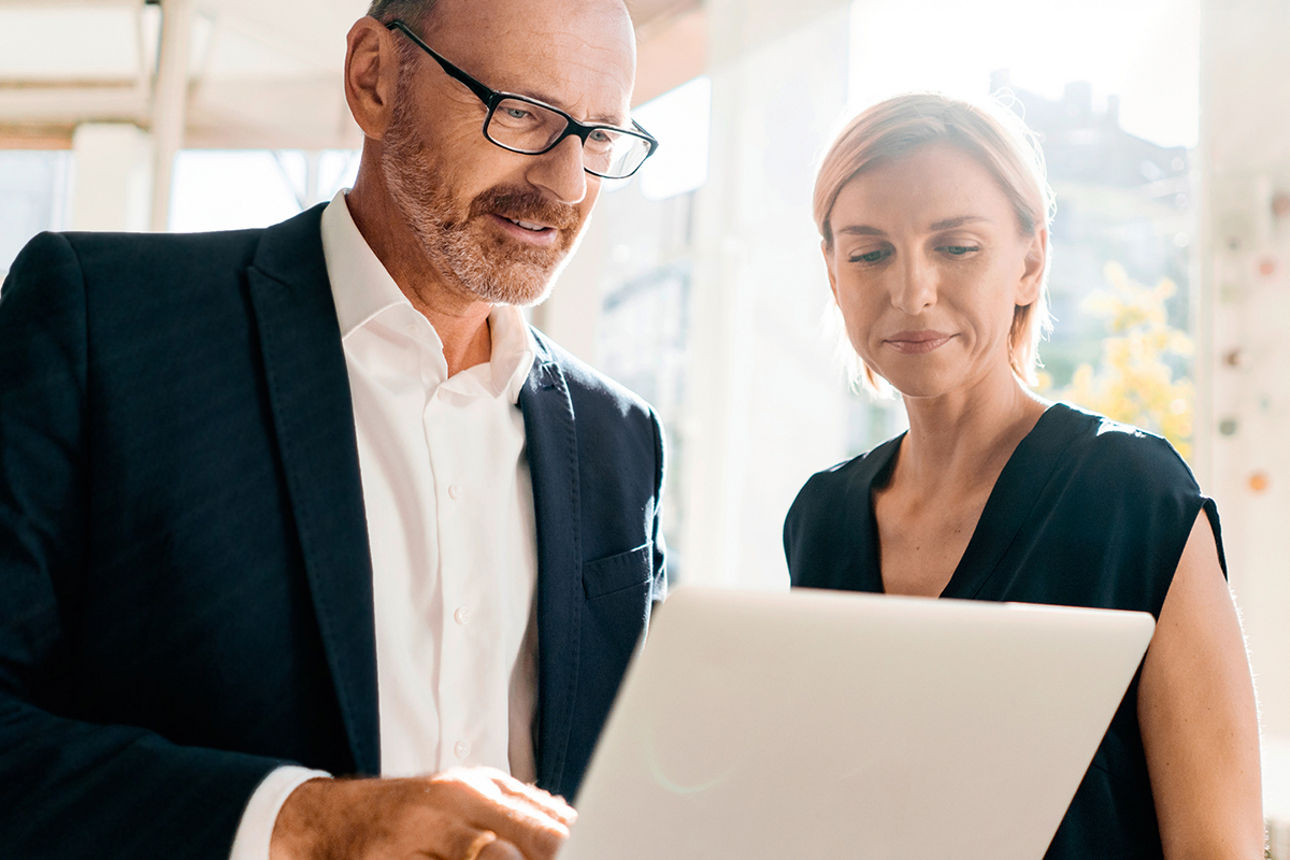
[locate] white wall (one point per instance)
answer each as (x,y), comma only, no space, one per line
(1245,162)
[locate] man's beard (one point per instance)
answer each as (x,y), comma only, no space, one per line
(464,247)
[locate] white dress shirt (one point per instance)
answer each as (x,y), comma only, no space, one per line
(451,528)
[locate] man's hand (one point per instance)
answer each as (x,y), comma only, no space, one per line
(463,814)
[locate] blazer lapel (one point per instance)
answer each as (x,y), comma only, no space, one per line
(552,447)
(313,418)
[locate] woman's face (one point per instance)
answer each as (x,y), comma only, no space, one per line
(927,266)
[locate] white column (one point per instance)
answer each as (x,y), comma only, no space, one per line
(111,178)
(169,104)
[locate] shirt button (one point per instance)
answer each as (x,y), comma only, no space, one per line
(461,749)
(462,615)
(454,491)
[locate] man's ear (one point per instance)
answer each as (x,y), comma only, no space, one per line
(371,75)
(1032,273)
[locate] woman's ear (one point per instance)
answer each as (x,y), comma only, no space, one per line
(371,75)
(1032,273)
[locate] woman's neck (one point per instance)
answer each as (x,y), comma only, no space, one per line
(964,438)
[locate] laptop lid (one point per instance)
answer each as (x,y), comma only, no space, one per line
(832,724)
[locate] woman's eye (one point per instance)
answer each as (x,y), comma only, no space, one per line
(959,250)
(870,256)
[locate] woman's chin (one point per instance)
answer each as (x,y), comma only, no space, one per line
(918,386)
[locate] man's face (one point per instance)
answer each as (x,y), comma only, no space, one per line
(495,224)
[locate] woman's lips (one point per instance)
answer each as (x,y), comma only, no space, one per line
(924,340)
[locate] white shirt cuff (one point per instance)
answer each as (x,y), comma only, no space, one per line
(261,813)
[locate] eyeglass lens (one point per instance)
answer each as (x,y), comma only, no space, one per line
(527,127)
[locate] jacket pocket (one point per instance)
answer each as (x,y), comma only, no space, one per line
(621,572)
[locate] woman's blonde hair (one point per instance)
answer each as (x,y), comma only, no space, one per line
(990,133)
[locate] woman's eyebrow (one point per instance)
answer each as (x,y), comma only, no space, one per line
(943,224)
(861,230)
(957,221)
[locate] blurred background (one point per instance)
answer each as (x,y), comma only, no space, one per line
(1166,124)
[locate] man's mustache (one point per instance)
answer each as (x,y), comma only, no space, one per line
(524,204)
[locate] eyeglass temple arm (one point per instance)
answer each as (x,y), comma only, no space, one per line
(484,94)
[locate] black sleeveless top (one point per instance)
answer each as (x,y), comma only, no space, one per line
(1086,512)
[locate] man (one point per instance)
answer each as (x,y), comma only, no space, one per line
(279,506)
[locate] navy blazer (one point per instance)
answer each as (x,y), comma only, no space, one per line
(184,568)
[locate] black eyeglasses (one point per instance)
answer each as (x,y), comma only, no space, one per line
(531,127)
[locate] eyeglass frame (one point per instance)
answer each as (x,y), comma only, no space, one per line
(492,98)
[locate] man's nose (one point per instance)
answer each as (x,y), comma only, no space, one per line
(560,172)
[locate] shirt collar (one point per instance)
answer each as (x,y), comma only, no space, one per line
(362,289)
(514,350)
(360,285)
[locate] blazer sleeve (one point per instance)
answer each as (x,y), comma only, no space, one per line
(660,550)
(71,787)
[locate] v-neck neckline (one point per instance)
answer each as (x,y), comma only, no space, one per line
(1006,509)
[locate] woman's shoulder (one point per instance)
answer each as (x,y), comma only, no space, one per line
(1118,458)
(826,493)
(841,477)
(824,531)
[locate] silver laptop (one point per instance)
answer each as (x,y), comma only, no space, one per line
(825,724)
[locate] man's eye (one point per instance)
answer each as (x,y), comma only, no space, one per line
(517,113)
(959,250)
(600,141)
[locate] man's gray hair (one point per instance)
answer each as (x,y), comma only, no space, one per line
(414,12)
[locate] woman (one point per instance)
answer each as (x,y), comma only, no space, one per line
(934,218)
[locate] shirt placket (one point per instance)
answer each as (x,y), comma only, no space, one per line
(457,678)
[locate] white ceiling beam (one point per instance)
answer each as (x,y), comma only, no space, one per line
(69,105)
(43,5)
(300,104)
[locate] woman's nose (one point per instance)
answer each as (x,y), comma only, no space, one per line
(916,287)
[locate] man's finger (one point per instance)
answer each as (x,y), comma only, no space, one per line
(496,797)
(483,839)
(500,849)
(554,806)
(489,800)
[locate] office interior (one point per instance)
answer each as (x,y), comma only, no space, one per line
(700,284)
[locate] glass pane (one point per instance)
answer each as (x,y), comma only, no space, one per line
(34,188)
(680,120)
(219,190)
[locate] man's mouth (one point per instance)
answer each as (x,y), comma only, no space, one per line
(529,225)
(532,233)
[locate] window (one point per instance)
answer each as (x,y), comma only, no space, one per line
(1112,91)
(34,186)
(218,190)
